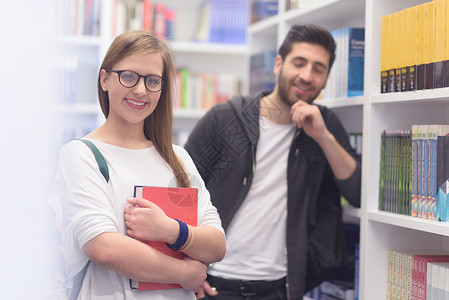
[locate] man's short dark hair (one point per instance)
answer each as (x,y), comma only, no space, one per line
(308,33)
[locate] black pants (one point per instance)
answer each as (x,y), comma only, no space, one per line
(247,290)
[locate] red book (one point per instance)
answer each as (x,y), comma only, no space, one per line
(177,203)
(422,271)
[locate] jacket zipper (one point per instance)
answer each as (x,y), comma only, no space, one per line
(287,284)
(245,179)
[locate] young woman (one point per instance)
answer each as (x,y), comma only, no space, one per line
(103,223)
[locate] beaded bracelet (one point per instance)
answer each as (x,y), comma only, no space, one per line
(182,236)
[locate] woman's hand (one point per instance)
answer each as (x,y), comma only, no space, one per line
(147,222)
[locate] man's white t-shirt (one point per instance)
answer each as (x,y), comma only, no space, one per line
(90,206)
(256,237)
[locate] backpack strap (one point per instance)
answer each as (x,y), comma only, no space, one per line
(77,283)
(99,158)
(102,165)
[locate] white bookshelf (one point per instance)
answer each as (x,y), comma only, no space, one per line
(370,114)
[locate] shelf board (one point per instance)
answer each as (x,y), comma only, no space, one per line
(326,12)
(263,26)
(209,48)
(440,228)
(342,102)
(435,95)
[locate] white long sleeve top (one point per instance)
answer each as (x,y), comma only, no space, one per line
(91,206)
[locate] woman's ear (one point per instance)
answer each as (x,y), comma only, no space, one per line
(104,80)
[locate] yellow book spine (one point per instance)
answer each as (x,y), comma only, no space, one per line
(413,36)
(402,30)
(440,29)
(384,45)
(421,34)
(430,29)
(446,54)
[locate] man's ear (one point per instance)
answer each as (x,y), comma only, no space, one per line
(277,65)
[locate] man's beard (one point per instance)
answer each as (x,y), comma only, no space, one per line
(283,88)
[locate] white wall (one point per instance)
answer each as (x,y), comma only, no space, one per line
(25,143)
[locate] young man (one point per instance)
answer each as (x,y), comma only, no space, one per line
(268,160)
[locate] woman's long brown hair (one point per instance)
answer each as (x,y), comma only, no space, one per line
(158,125)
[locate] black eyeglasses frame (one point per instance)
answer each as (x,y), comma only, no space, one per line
(119,72)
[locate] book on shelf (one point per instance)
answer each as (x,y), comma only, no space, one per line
(80,17)
(415,154)
(384,56)
(223,21)
(423,144)
(434,132)
(262,9)
(177,203)
(411,165)
(436,280)
(346,77)
(422,40)
(146,15)
(395,165)
(261,71)
(202,90)
(442,182)
(355,140)
(414,48)
(430,44)
(356,271)
(408,273)
(446,51)
(440,42)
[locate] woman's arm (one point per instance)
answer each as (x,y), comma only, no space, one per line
(136,260)
(146,221)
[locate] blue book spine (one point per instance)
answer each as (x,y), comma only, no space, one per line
(356,58)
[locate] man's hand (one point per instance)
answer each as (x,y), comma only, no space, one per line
(309,118)
(206,289)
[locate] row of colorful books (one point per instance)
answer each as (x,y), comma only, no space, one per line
(145,14)
(395,172)
(417,275)
(78,17)
(347,73)
(223,21)
(65,79)
(415,48)
(414,172)
(200,90)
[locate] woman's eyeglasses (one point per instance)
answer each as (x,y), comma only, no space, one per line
(129,79)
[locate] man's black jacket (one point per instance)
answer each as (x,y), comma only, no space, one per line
(223,146)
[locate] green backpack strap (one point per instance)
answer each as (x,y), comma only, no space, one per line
(99,158)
